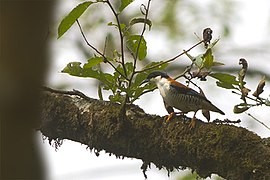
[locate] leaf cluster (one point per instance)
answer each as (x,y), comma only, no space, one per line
(238,85)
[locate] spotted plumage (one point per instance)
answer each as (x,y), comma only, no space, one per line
(179,96)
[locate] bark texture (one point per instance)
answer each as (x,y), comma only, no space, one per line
(229,151)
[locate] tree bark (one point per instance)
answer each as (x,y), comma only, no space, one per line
(229,151)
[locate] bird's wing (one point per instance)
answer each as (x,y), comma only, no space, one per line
(181,88)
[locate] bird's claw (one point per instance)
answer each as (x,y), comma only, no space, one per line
(192,124)
(169,117)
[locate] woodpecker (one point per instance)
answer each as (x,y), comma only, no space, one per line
(178,96)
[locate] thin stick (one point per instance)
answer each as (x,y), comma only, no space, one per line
(258,121)
(140,40)
(97,51)
(121,36)
(172,59)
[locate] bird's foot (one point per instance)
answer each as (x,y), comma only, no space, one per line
(169,117)
(192,124)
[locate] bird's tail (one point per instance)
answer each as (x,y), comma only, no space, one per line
(215,109)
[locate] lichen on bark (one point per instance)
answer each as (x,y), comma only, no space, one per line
(229,151)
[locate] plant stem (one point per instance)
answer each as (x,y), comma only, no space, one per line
(97,51)
(172,59)
(120,35)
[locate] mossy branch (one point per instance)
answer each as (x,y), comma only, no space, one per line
(229,151)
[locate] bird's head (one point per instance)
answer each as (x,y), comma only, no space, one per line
(155,77)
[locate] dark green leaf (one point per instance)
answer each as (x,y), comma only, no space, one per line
(117,98)
(133,43)
(226,78)
(208,59)
(129,67)
(93,62)
(140,20)
(108,80)
(75,69)
(140,78)
(124,4)
(70,19)
(122,26)
(225,85)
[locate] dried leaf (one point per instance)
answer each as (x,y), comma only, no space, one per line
(245,91)
(260,87)
(244,63)
(207,36)
(240,108)
(200,75)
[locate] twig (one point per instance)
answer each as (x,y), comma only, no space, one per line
(258,121)
(188,68)
(139,43)
(256,100)
(172,59)
(140,40)
(121,36)
(97,51)
(73,92)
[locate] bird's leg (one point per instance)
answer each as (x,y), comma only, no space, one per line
(193,121)
(169,117)
(170,111)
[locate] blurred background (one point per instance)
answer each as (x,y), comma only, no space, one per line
(242,25)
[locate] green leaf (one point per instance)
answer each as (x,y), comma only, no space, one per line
(140,20)
(70,19)
(226,78)
(211,45)
(132,44)
(129,67)
(124,4)
(216,63)
(112,24)
(117,98)
(93,62)
(139,79)
(225,85)
(199,61)
(208,59)
(75,69)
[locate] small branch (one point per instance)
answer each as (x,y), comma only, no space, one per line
(188,68)
(97,51)
(172,59)
(258,120)
(141,36)
(120,35)
(261,102)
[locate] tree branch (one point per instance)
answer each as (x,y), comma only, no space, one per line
(229,151)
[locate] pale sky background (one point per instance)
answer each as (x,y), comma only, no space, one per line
(72,161)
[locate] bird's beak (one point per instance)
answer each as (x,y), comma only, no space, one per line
(145,81)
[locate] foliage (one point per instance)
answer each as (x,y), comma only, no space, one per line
(125,82)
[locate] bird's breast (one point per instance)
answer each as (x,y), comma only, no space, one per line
(182,102)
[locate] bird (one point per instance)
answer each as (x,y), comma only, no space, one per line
(177,95)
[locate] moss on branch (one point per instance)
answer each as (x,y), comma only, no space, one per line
(229,151)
